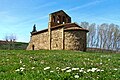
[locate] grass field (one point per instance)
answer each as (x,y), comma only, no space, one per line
(58,65)
(13,46)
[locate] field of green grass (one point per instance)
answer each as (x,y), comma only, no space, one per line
(14,46)
(58,65)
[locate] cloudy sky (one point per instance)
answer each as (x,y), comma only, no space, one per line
(18,16)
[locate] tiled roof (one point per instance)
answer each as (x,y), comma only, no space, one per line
(67,26)
(76,28)
(44,30)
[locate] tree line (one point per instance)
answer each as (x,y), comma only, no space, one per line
(103,36)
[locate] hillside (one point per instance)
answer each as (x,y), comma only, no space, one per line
(58,65)
(12,46)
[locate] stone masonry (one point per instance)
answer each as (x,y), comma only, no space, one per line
(60,35)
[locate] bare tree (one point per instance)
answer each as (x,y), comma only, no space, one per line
(110,36)
(86,26)
(10,40)
(116,38)
(104,36)
(92,32)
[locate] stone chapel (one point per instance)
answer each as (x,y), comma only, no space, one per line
(61,34)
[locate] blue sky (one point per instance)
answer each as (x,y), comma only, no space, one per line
(18,16)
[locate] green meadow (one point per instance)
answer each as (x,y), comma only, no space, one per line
(58,65)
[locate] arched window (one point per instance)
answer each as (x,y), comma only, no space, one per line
(69,20)
(33,47)
(53,18)
(58,19)
(63,21)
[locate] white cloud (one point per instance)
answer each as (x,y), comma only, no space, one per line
(85,5)
(108,20)
(6,17)
(44,5)
(27,21)
(99,19)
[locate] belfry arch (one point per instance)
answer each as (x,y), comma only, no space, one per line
(58,18)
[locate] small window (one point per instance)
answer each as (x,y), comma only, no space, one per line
(56,45)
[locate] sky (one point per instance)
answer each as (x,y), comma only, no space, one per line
(17,17)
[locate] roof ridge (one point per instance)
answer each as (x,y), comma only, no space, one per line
(60,11)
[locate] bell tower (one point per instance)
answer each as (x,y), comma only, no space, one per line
(57,18)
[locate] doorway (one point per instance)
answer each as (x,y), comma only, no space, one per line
(33,47)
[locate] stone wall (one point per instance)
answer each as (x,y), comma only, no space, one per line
(75,40)
(56,39)
(60,39)
(40,41)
